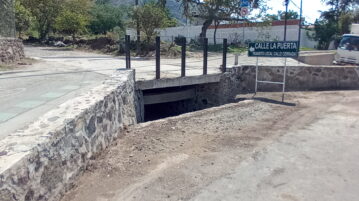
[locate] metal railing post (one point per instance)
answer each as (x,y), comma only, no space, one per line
(158,57)
(224,64)
(236,59)
(183,60)
(205,55)
(128,53)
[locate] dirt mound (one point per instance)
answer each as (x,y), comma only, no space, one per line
(100,43)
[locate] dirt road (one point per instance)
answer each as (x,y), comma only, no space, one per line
(251,150)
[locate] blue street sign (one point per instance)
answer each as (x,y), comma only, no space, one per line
(244,3)
(274,49)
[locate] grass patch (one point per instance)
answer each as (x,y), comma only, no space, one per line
(234,49)
(306,49)
(4,67)
(237,50)
(17,65)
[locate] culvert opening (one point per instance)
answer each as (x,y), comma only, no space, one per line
(169,109)
(168,102)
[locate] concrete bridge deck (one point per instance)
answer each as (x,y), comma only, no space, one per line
(178,82)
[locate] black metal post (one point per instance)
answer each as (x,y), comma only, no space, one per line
(128,53)
(158,57)
(205,55)
(183,60)
(300,23)
(224,64)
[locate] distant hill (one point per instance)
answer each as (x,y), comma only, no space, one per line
(173,6)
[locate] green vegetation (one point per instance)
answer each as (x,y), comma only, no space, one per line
(335,22)
(281,16)
(23,17)
(44,14)
(237,50)
(306,49)
(66,17)
(150,17)
(105,18)
(93,24)
(233,49)
(73,18)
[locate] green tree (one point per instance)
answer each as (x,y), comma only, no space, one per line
(23,17)
(281,16)
(71,23)
(44,14)
(345,21)
(356,16)
(74,17)
(150,17)
(324,32)
(105,17)
(335,21)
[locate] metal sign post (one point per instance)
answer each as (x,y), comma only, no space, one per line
(273,49)
(284,77)
(256,77)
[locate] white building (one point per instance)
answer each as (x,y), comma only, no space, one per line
(239,33)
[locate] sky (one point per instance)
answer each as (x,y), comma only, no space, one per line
(310,8)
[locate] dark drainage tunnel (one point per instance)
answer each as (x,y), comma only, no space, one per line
(168,102)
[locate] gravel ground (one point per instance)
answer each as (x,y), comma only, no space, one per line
(179,158)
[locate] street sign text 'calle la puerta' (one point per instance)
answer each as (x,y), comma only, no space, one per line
(273,49)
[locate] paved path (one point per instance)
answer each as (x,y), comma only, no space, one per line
(29,92)
(248,151)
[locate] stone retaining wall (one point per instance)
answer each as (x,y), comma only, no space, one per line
(42,161)
(241,80)
(11,50)
(299,78)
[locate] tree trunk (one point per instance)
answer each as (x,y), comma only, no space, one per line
(205,26)
(162,3)
(216,24)
(19,31)
(43,31)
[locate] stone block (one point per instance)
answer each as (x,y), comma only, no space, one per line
(11,50)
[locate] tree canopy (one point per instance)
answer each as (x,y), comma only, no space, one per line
(281,16)
(23,17)
(106,17)
(150,17)
(214,10)
(73,17)
(335,21)
(44,14)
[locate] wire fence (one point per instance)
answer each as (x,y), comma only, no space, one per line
(7,19)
